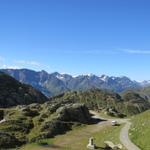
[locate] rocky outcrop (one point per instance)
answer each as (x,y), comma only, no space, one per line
(74,113)
(66,117)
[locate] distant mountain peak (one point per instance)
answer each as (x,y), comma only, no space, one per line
(43,71)
(145,83)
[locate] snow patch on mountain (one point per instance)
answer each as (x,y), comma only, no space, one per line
(60,77)
(104,78)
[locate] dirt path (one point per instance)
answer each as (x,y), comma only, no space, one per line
(124,138)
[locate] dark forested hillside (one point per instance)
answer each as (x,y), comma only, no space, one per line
(14,93)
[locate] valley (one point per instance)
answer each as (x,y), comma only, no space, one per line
(64,121)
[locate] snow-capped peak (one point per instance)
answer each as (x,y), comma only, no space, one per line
(104,77)
(90,75)
(60,77)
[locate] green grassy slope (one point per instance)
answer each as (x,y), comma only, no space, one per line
(78,138)
(140,130)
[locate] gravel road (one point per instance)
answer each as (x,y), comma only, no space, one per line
(124,137)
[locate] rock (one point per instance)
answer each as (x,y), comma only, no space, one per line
(74,112)
(113,146)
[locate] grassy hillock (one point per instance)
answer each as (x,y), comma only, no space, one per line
(140,130)
(14,93)
(129,103)
(34,122)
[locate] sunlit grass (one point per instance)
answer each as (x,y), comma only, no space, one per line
(140,130)
(77,139)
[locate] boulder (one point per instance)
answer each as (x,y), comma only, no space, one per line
(74,113)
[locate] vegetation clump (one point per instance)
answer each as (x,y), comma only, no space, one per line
(39,121)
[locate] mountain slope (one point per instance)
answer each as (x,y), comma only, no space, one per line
(145,92)
(134,103)
(129,104)
(56,83)
(14,93)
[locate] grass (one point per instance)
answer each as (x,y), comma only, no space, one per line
(105,115)
(77,139)
(140,130)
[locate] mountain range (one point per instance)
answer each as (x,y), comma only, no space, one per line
(55,83)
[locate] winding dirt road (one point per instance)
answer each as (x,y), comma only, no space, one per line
(124,137)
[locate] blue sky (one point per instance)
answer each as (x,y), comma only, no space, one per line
(77,36)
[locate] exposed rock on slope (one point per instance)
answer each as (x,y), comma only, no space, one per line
(74,113)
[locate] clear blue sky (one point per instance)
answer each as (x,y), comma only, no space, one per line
(77,36)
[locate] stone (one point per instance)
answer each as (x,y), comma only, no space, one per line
(112,145)
(91,144)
